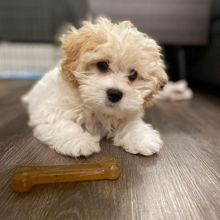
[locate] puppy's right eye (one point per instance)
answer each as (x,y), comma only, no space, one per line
(103,66)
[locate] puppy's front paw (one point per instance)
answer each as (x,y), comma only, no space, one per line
(79,147)
(147,144)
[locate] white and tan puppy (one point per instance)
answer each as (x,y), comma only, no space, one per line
(109,73)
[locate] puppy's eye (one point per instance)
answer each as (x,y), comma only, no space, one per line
(103,66)
(132,75)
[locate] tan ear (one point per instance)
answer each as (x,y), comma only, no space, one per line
(160,79)
(74,45)
(71,45)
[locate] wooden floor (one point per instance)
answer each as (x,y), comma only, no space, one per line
(182,182)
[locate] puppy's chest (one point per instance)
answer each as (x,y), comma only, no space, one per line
(100,125)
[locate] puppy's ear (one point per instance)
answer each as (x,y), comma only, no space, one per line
(71,44)
(75,44)
(159,78)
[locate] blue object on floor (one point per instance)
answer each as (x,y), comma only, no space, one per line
(21,75)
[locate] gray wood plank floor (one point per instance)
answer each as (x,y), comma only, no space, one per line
(181,182)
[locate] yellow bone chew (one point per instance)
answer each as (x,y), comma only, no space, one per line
(25,177)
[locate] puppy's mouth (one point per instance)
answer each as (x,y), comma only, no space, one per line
(110,104)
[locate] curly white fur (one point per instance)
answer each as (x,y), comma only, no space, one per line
(68,107)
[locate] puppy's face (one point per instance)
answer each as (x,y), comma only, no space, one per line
(116,68)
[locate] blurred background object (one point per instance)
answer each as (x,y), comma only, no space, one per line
(188,30)
(28,34)
(203,64)
(38,21)
(170,22)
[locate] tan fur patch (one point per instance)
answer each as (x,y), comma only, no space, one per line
(160,80)
(74,44)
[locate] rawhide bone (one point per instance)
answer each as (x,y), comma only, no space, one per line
(25,177)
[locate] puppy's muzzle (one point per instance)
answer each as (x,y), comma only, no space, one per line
(114,95)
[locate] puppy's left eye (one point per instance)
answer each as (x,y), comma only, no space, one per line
(132,75)
(103,66)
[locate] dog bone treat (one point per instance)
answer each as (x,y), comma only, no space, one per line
(25,177)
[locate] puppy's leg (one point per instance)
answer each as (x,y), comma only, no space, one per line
(67,138)
(137,137)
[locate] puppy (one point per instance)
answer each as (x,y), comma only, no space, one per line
(108,75)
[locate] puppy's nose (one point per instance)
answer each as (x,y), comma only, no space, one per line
(114,95)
